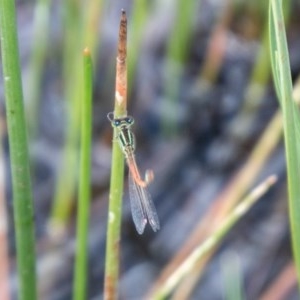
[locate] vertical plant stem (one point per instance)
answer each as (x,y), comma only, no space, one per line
(63,198)
(232,276)
(19,161)
(81,20)
(138,18)
(117,174)
(37,61)
(92,17)
(291,120)
(176,55)
(84,182)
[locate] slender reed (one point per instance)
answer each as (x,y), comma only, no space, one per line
(225,201)
(84,181)
(63,198)
(291,119)
(232,276)
(138,19)
(19,159)
(92,16)
(176,56)
(81,19)
(37,62)
(239,211)
(117,173)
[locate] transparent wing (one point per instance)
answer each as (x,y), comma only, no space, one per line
(149,208)
(142,207)
(137,210)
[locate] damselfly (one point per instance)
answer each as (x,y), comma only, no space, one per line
(142,207)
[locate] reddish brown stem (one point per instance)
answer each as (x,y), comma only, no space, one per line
(121,72)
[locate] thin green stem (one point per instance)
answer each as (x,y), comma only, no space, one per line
(117,175)
(84,182)
(37,61)
(66,178)
(92,15)
(114,223)
(177,50)
(81,19)
(139,17)
(19,159)
(232,276)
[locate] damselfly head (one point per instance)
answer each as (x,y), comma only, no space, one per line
(117,122)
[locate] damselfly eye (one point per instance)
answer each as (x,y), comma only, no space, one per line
(129,120)
(116,122)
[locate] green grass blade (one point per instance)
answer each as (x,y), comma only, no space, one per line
(274,62)
(272,42)
(37,62)
(19,158)
(181,34)
(92,17)
(72,73)
(232,276)
(282,77)
(177,50)
(84,182)
(80,22)
(212,241)
(139,17)
(272,53)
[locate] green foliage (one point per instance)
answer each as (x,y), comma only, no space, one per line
(19,158)
(84,182)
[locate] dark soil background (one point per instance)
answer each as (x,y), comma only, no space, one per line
(195,127)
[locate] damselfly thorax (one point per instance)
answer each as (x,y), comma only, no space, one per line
(124,134)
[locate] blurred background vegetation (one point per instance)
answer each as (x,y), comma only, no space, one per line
(206,121)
